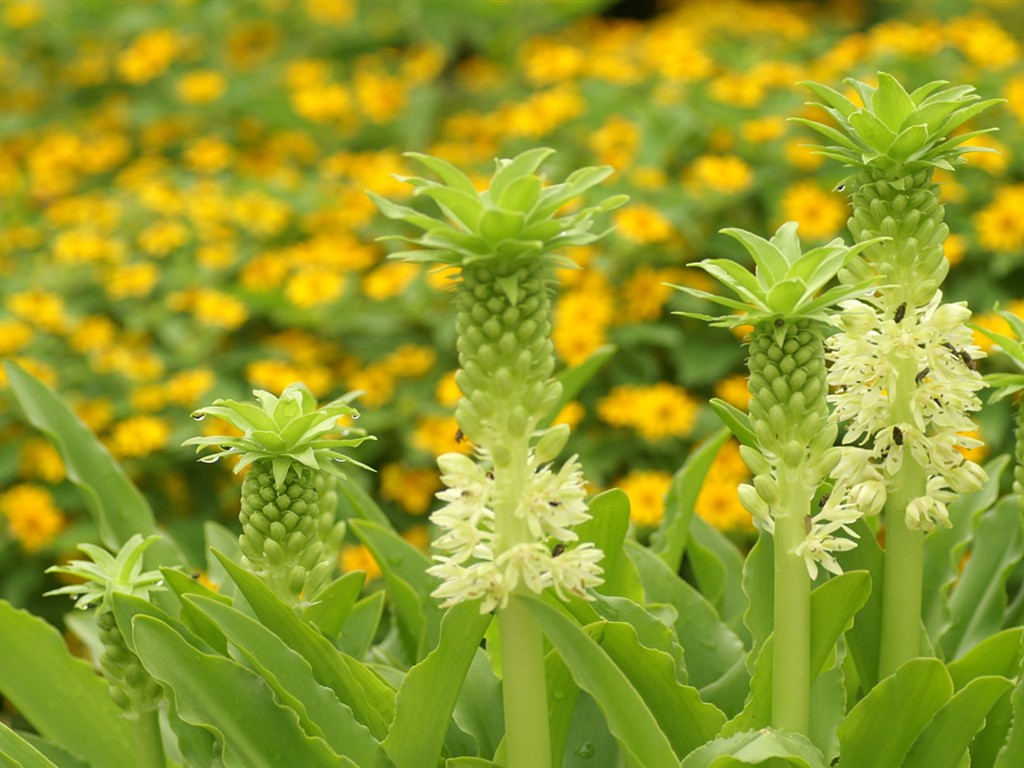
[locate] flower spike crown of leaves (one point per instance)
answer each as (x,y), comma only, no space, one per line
(284,430)
(514,218)
(105,574)
(786,283)
(898,132)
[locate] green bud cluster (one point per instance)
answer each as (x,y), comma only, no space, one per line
(910,265)
(130,685)
(506,356)
(280,541)
(788,410)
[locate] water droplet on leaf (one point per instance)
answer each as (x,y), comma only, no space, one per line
(210,459)
(198,416)
(586,750)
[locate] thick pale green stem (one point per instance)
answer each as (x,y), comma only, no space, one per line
(904,548)
(791,683)
(149,748)
(524,689)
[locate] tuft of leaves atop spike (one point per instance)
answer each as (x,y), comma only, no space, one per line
(786,284)
(105,574)
(516,217)
(283,430)
(896,131)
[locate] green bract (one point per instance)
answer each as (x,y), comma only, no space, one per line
(786,283)
(896,131)
(282,430)
(514,218)
(1007,384)
(106,574)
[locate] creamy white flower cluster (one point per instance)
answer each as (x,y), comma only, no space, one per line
(933,345)
(474,566)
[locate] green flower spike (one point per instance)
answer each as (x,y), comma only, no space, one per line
(785,302)
(507,527)
(130,685)
(894,143)
(289,444)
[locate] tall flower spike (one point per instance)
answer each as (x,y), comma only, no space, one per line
(894,142)
(898,366)
(506,529)
(289,443)
(130,685)
(785,302)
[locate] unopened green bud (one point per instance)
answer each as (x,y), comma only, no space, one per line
(551,443)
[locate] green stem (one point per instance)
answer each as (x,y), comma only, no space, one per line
(791,678)
(904,548)
(149,747)
(524,687)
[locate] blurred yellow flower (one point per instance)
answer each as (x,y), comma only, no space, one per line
(185,388)
(19,14)
(983,41)
(43,309)
(163,236)
(201,86)
(656,412)
(954,249)
(820,214)
(447,392)
(726,174)
(411,488)
(437,435)
(275,375)
(356,557)
(410,361)
(309,288)
(138,436)
(389,280)
(14,336)
(800,153)
(148,57)
(646,490)
(994,162)
(733,390)
(39,459)
(208,154)
(615,142)
(131,281)
(718,502)
(32,515)
(572,414)
(999,225)
(644,295)
(643,224)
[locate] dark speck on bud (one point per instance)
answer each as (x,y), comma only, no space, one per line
(823,500)
(459,436)
(897,435)
(559,549)
(779,322)
(901,312)
(921,374)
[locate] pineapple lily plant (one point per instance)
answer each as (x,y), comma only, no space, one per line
(541,631)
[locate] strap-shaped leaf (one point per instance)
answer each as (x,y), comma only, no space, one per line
(872,131)
(910,141)
(82,719)
(606,530)
(521,166)
(627,715)
(462,206)
(222,696)
(770,261)
(430,689)
(19,752)
(829,132)
(764,747)
(445,171)
(832,97)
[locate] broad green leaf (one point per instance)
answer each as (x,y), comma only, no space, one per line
(607,529)
(220,538)
(127,607)
(711,648)
(371,700)
(334,603)
(116,505)
(563,695)
(828,708)
(404,569)
(355,503)
(216,693)
(59,757)
(652,630)
(289,675)
(890,102)
(479,710)
(717,566)
(999,654)
(430,689)
(82,719)
(465,207)
(522,165)
(832,97)
(469,762)
(573,379)
(979,598)
(945,739)
(670,540)
(197,621)
(358,632)
(736,420)
(863,639)
(909,141)
(591,743)
(944,548)
(772,264)
(687,720)
(759,587)
(766,748)
(1010,754)
(900,707)
(872,131)
(19,752)
(557,195)
(626,713)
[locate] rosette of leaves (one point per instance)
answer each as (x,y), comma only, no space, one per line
(288,443)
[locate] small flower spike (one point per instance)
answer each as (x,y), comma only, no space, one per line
(289,443)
